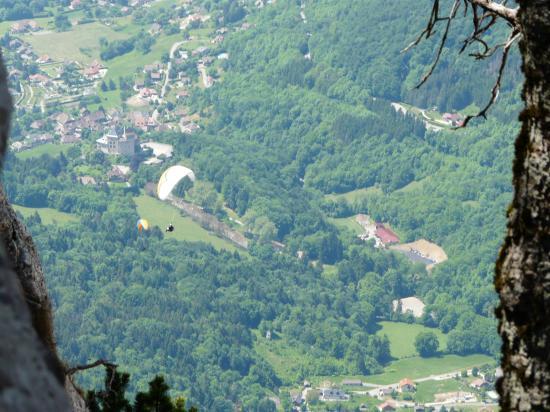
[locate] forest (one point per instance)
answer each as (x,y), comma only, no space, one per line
(284,133)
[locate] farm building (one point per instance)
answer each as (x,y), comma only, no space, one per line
(385,234)
(406,385)
(387,406)
(479,383)
(411,304)
(352,382)
(332,394)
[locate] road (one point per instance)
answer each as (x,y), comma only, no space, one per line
(441,377)
(168,68)
(204,76)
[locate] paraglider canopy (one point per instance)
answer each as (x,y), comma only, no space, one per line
(142,224)
(170,178)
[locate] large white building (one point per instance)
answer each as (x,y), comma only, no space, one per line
(117,143)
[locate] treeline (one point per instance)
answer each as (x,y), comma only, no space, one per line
(22,9)
(141,42)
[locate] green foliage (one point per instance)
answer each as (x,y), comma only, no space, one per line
(426,344)
(113,397)
(62,23)
(289,143)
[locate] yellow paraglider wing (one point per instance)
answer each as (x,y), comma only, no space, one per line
(142,224)
(170,178)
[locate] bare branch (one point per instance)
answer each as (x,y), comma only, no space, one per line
(449,19)
(500,10)
(99,362)
(496,88)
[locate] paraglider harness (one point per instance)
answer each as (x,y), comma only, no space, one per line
(170,228)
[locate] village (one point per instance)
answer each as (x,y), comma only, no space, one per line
(476,391)
(62,99)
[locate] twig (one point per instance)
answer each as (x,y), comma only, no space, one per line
(449,19)
(99,362)
(496,87)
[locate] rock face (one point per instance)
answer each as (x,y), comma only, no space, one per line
(31,375)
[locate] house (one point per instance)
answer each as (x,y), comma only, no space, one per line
(70,138)
(454,119)
(32,25)
(142,121)
(97,116)
(87,180)
(188,127)
(478,383)
(62,118)
(156,76)
(118,173)
(148,68)
(223,56)
(155,29)
(493,396)
(385,235)
(38,124)
(38,78)
(138,85)
(217,40)
(44,59)
(387,406)
(182,94)
(19,146)
(406,385)
(383,392)
(148,94)
(332,394)
(75,4)
(14,44)
(352,382)
(296,397)
(199,51)
(114,142)
(24,26)
(94,71)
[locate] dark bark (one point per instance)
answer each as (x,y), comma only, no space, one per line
(523,268)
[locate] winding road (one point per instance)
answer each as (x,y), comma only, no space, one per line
(168,68)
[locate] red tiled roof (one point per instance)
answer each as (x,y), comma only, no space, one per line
(385,234)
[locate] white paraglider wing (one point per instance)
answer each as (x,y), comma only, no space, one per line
(170,178)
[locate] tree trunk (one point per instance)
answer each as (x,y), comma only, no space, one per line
(523,267)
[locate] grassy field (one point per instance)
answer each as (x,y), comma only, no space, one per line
(402,335)
(160,214)
(418,367)
(425,391)
(347,223)
(53,149)
(81,43)
(355,195)
(49,216)
(414,185)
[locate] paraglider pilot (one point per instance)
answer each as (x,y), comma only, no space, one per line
(170,228)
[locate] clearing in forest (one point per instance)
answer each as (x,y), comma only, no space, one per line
(402,336)
(161,214)
(48,215)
